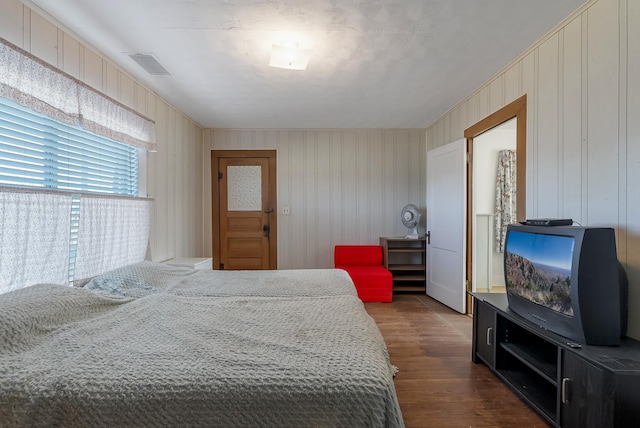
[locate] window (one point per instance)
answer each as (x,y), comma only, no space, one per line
(37,151)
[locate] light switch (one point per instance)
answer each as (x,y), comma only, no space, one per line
(286,210)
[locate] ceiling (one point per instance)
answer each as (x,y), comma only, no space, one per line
(375,63)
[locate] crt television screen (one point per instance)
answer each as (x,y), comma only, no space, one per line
(538,268)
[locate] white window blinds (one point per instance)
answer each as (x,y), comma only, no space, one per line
(36,151)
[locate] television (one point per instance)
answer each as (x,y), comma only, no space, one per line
(568,280)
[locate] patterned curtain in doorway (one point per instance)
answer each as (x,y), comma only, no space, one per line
(505,196)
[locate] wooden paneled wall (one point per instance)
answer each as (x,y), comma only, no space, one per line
(174,172)
(583,136)
(343,186)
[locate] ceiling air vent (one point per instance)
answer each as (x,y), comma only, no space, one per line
(150,64)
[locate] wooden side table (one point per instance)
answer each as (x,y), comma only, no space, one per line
(406,259)
(192,262)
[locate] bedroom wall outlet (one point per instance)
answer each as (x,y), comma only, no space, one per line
(286,210)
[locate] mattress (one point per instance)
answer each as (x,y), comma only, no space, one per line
(156,345)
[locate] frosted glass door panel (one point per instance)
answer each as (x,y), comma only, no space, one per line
(244,184)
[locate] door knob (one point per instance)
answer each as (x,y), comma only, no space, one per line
(265,230)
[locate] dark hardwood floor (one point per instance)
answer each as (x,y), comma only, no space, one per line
(437,384)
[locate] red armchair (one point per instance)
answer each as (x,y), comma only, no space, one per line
(363,263)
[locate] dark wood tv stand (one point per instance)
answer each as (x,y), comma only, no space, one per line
(589,386)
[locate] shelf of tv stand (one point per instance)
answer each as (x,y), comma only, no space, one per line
(533,358)
(589,386)
(537,393)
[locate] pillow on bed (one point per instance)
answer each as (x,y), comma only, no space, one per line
(29,315)
(139,279)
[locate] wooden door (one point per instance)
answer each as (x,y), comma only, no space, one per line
(446,224)
(484,333)
(585,395)
(244,209)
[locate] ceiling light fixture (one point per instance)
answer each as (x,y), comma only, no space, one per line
(288,55)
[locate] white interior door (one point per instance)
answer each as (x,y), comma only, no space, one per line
(446,223)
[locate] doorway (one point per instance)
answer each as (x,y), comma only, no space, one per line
(517,110)
(244,215)
(490,147)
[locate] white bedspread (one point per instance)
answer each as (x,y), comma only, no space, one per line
(153,345)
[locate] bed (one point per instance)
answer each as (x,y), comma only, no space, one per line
(157,345)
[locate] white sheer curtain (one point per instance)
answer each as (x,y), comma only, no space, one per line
(35,227)
(505,196)
(104,117)
(31,82)
(34,238)
(113,232)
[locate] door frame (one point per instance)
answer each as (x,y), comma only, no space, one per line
(216,155)
(516,109)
